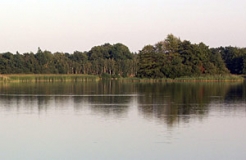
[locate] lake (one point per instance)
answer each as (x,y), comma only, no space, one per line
(123,120)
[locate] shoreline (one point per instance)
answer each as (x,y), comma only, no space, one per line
(83,78)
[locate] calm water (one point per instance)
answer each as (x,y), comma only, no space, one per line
(113,120)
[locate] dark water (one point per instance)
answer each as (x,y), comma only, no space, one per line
(115,120)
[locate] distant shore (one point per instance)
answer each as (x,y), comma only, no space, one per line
(82,77)
(47,78)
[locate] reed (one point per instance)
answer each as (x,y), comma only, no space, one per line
(47,78)
(81,78)
(205,78)
(212,78)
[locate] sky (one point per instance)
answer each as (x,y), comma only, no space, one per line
(79,25)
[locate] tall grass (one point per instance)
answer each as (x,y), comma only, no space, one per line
(47,78)
(205,78)
(80,78)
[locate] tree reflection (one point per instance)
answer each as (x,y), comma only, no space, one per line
(172,102)
(236,93)
(169,103)
(103,104)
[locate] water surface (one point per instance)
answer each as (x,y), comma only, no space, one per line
(116,120)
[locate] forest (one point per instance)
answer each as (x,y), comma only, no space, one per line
(170,58)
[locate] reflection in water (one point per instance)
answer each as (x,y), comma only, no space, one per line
(114,120)
(100,104)
(177,102)
(167,102)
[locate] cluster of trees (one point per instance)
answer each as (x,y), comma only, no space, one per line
(234,58)
(173,58)
(169,58)
(105,59)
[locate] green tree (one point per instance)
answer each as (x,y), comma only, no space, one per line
(149,63)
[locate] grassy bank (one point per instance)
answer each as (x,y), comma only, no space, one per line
(80,78)
(207,78)
(47,78)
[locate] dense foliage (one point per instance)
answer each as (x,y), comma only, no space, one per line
(170,58)
(100,60)
(173,58)
(234,58)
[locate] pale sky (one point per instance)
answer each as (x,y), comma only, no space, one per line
(70,25)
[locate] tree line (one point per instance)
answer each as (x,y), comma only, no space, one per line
(112,60)
(170,58)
